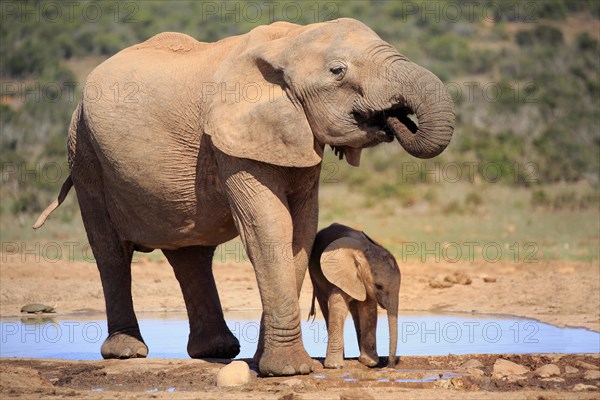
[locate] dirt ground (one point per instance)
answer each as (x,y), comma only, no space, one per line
(564,293)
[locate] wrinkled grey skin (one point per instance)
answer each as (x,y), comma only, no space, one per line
(351,272)
(203,142)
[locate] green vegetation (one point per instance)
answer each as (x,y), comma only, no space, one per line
(525,77)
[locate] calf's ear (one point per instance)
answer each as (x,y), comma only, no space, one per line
(340,263)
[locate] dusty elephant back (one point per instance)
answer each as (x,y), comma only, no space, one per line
(141,112)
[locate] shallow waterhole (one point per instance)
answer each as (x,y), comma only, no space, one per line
(79,336)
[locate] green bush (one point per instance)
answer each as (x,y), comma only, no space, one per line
(585,42)
(453,207)
(473,198)
(449,47)
(552,9)
(540,35)
(539,198)
(561,157)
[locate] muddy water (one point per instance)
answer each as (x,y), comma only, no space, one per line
(78,337)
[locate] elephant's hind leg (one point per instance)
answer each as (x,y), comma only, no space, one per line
(113,255)
(209,335)
(113,258)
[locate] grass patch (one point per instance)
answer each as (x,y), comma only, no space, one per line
(480,221)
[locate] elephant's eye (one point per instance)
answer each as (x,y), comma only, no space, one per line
(338,71)
(378,286)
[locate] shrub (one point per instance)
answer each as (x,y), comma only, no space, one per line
(473,199)
(453,207)
(540,35)
(585,42)
(539,198)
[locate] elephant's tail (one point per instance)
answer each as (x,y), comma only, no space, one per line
(312,312)
(64,190)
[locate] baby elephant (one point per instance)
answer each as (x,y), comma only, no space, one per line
(349,270)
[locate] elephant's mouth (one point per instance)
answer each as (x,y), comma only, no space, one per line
(388,124)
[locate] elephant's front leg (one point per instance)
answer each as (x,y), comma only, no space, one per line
(262,217)
(338,310)
(304,212)
(364,314)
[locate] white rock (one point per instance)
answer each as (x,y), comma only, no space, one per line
(571,370)
(591,375)
(292,382)
(504,368)
(554,358)
(580,387)
(472,363)
(546,371)
(514,378)
(584,365)
(554,379)
(475,372)
(236,373)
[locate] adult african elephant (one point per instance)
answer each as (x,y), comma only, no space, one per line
(180,145)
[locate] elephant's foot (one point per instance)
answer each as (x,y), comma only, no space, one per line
(285,360)
(369,360)
(122,345)
(220,345)
(334,362)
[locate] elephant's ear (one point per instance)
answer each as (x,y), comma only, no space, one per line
(340,263)
(250,112)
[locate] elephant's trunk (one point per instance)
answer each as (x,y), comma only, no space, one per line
(392,313)
(424,95)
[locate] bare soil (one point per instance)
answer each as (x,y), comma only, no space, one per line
(561,293)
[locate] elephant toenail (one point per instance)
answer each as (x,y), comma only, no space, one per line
(125,353)
(288,370)
(304,369)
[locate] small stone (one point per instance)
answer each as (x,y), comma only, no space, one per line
(571,370)
(475,372)
(504,368)
(546,371)
(472,363)
(554,379)
(581,387)
(584,365)
(514,378)
(453,383)
(458,277)
(292,382)
(591,375)
(236,373)
(554,358)
(439,283)
(489,279)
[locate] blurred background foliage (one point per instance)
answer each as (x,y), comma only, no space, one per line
(524,76)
